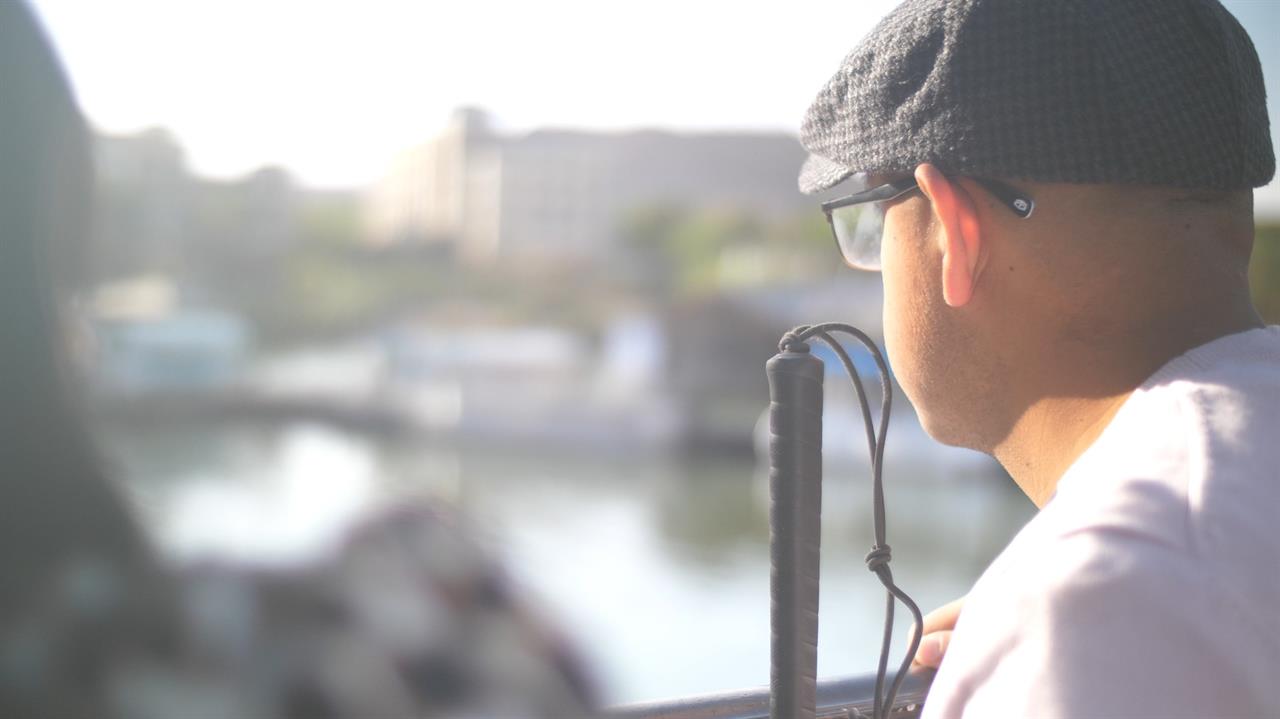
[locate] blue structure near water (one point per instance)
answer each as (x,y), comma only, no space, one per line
(190,351)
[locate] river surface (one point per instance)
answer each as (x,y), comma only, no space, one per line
(657,567)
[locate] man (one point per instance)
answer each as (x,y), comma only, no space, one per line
(1059,194)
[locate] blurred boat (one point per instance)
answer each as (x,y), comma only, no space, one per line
(533,386)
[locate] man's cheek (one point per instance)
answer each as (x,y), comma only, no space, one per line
(896,323)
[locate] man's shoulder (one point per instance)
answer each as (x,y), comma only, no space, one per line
(1141,585)
(1102,617)
(1224,383)
(1193,453)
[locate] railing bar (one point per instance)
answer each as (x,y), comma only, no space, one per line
(850,696)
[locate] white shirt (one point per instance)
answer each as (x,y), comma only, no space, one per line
(1149,585)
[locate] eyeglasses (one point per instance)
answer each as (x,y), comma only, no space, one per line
(857,221)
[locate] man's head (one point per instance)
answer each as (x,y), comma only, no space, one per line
(986,313)
(1138,127)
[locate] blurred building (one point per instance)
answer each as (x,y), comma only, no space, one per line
(423,198)
(142,205)
(555,196)
(152,216)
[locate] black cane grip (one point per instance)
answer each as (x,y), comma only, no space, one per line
(795,507)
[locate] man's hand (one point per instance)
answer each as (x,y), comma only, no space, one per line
(938,625)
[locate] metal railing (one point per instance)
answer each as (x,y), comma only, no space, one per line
(849,698)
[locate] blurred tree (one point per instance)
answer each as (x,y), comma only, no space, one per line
(703,251)
(330,219)
(699,243)
(1264,271)
(648,264)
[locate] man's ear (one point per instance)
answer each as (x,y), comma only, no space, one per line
(961,238)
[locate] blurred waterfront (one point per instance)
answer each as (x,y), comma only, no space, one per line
(657,567)
(561,332)
(579,370)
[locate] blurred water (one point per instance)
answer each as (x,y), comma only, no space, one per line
(657,567)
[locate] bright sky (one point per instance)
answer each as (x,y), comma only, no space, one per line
(333,89)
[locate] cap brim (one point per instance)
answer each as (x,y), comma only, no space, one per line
(818,174)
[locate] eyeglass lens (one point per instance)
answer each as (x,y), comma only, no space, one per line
(858,230)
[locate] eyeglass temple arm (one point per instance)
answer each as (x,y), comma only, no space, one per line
(1021,205)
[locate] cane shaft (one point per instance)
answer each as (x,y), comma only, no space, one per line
(795,506)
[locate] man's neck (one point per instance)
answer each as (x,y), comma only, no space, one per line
(1055,428)
(1050,436)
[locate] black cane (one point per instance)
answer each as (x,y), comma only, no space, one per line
(795,508)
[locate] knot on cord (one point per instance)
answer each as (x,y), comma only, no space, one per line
(878,557)
(791,342)
(795,340)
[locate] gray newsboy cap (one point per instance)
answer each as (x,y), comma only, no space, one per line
(1154,92)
